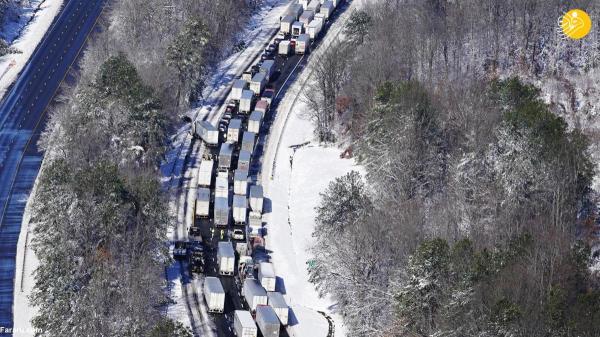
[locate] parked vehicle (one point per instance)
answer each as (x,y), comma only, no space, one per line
(222,186)
(277,302)
(256,198)
(225,157)
(243,248)
(205,172)
(203,202)
(240,182)
(297,28)
(195,234)
(233,131)
(314,28)
(304,3)
(254,121)
(268,55)
(284,48)
(246,101)
(254,294)
(262,106)
(238,87)
(314,6)
(306,17)
(243,324)
(226,258)
(268,68)
(239,209)
(303,44)
(214,294)
(266,276)
(267,321)
(258,83)
(238,234)
(247,75)
(295,11)
(221,212)
(327,9)
(268,96)
(255,223)
(248,141)
(180,250)
(207,132)
(244,160)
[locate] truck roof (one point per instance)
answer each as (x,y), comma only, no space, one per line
(248,137)
(235,123)
(276,300)
(206,165)
(245,318)
(206,125)
(221,203)
(213,284)
(226,249)
(259,77)
(256,191)
(256,115)
(239,201)
(247,94)
(267,314)
(203,194)
(266,269)
(240,175)
(226,149)
(288,19)
(298,23)
(240,84)
(244,156)
(303,37)
(253,288)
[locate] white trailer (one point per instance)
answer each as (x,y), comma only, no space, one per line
(205,173)
(306,17)
(262,106)
(233,130)
(267,68)
(226,258)
(295,11)
(246,101)
(254,294)
(257,85)
(314,28)
(203,202)
(256,198)
(327,9)
(304,3)
(221,212)
(314,6)
(303,44)
(285,25)
(240,182)
(277,302)
(285,48)
(320,16)
(243,324)
(222,186)
(239,209)
(254,121)
(297,28)
(214,294)
(267,321)
(254,223)
(238,87)
(248,141)
(207,132)
(225,157)
(244,160)
(266,276)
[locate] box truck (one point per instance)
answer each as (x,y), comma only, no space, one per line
(205,173)
(327,9)
(314,6)
(243,324)
(222,186)
(203,202)
(267,321)
(239,209)
(304,3)
(238,87)
(207,132)
(233,130)
(214,294)
(246,101)
(268,68)
(240,182)
(306,17)
(254,294)
(256,198)
(255,223)
(277,302)
(225,157)
(254,121)
(258,83)
(244,160)
(226,258)
(314,28)
(248,141)
(262,106)
(221,212)
(295,11)
(297,28)
(303,44)
(285,48)
(285,25)
(266,276)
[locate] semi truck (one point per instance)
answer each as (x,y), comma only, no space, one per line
(214,294)
(306,17)
(238,87)
(221,210)
(267,321)
(268,68)
(314,5)
(205,172)
(248,141)
(262,106)
(327,9)
(266,276)
(314,28)
(255,223)
(203,202)
(285,25)
(239,209)
(243,324)
(256,198)
(297,28)
(225,157)
(285,48)
(226,258)
(207,132)
(246,101)
(295,11)
(222,186)
(240,182)
(303,44)
(254,294)
(244,160)
(254,121)
(258,83)
(233,130)
(277,302)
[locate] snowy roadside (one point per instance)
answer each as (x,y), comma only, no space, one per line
(29,36)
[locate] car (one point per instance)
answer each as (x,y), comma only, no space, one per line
(227,116)
(223,130)
(277,40)
(267,56)
(272,48)
(180,250)
(255,69)
(195,233)
(238,234)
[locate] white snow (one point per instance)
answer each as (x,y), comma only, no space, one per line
(12,64)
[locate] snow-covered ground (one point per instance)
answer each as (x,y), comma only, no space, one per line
(29,32)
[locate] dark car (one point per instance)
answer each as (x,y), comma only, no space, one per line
(180,250)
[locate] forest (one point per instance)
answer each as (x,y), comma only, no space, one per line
(474,215)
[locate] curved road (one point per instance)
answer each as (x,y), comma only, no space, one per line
(22,117)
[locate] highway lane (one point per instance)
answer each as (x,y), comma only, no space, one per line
(22,119)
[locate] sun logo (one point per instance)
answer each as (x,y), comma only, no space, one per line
(576,24)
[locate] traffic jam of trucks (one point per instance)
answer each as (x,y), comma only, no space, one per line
(230,200)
